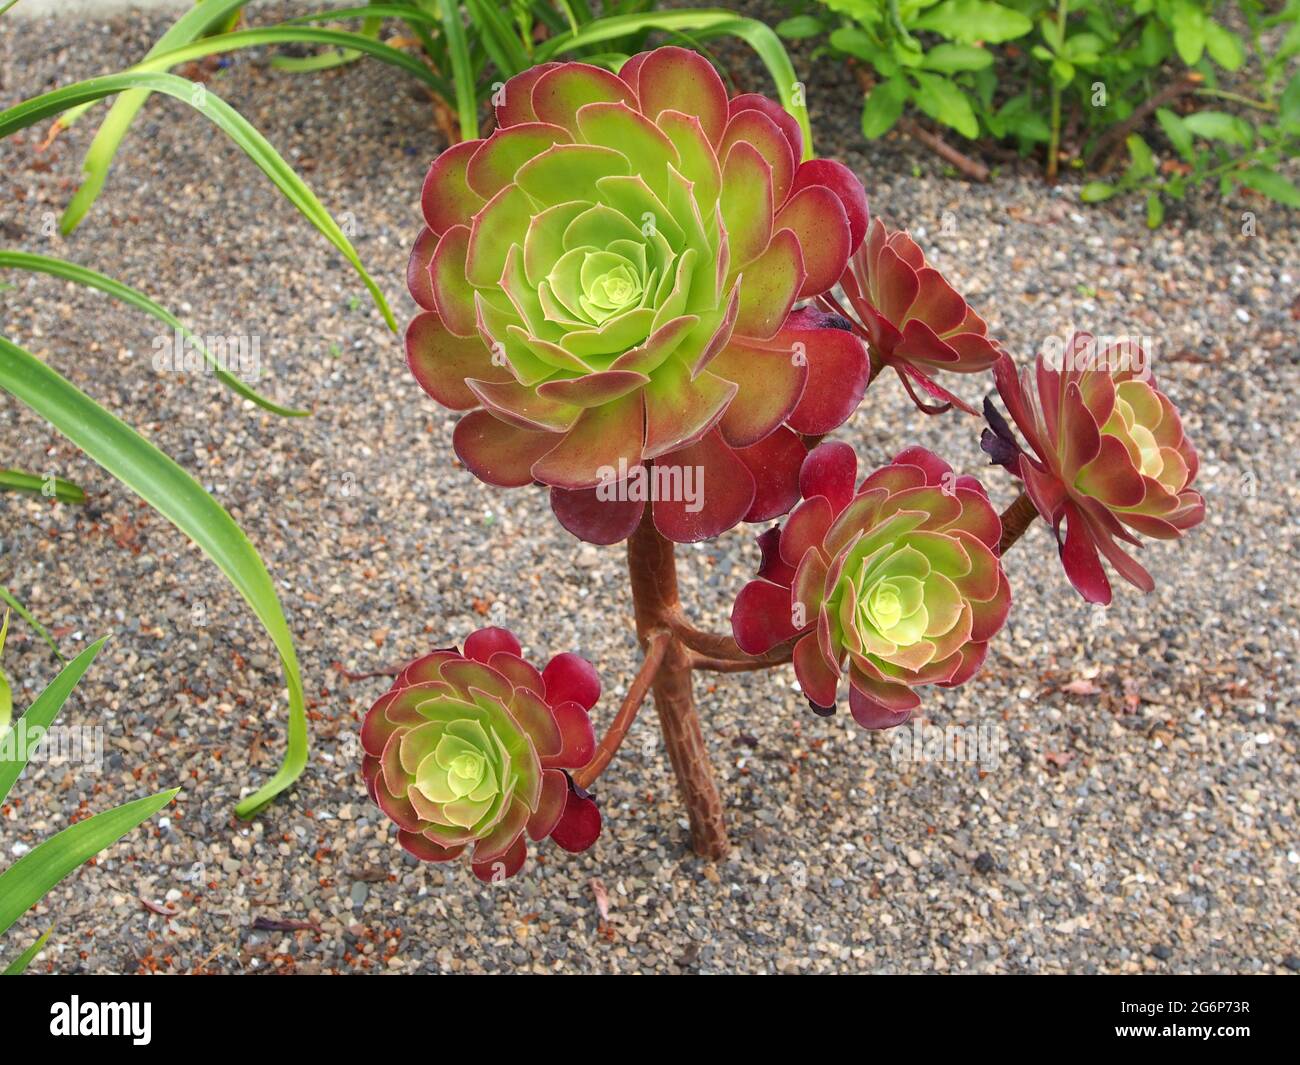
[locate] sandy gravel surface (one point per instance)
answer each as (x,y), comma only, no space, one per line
(1141,814)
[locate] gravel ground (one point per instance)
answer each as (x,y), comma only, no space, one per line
(1141,815)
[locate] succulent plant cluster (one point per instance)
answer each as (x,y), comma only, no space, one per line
(471,750)
(636,273)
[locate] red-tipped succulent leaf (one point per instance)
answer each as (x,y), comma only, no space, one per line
(608,285)
(897,580)
(471,751)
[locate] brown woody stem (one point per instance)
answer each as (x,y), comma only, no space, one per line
(652,569)
(656,648)
(1015,520)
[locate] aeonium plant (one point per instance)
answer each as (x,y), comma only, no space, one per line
(609,280)
(611,285)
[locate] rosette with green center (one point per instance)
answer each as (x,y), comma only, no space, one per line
(471,750)
(911,317)
(1108,457)
(608,282)
(899,581)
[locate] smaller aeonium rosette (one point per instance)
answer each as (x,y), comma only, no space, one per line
(1107,456)
(899,580)
(471,750)
(911,317)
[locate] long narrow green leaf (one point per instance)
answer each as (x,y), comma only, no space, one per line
(326,60)
(45,709)
(179,498)
(85,276)
(706,23)
(7,6)
(462,71)
(26,882)
(26,615)
(7,596)
(257,38)
(6,691)
(20,481)
(19,965)
(227,119)
(499,38)
(198,20)
(401,11)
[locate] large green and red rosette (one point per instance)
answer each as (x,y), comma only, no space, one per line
(898,582)
(609,280)
(1108,457)
(470,752)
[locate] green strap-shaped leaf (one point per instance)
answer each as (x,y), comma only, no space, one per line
(180,499)
(44,710)
(7,596)
(6,692)
(85,276)
(462,69)
(257,38)
(197,21)
(228,120)
(19,965)
(705,23)
(12,480)
(25,882)
(326,60)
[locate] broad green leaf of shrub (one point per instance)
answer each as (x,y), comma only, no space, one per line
(952,58)
(944,102)
(1177,132)
(883,107)
(1142,163)
(1271,184)
(1096,191)
(968,21)
(799,27)
(1224,46)
(1155,210)
(1221,126)
(1189,33)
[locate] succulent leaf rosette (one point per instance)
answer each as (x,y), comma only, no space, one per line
(608,281)
(911,317)
(1107,457)
(899,580)
(470,750)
